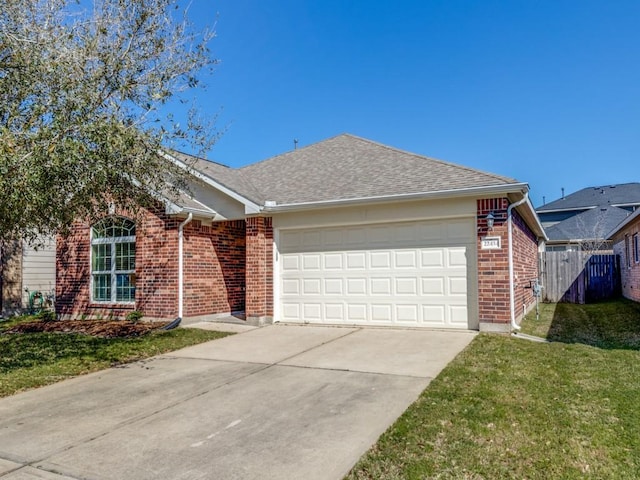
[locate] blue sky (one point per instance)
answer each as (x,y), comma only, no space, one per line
(547,92)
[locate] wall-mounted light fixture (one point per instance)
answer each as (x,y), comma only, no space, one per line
(490,220)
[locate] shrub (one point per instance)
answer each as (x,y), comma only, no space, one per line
(135,316)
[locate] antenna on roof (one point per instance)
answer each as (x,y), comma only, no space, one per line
(295,143)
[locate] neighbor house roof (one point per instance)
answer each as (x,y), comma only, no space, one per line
(593,224)
(630,218)
(614,195)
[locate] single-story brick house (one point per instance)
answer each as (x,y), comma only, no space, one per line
(344,231)
(626,244)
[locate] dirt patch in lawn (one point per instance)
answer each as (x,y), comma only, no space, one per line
(95,328)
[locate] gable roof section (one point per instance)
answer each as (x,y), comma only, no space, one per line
(615,195)
(228,180)
(630,218)
(348,167)
(595,223)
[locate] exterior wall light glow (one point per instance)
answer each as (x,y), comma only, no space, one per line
(490,220)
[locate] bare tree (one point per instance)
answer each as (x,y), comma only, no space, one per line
(84,91)
(593,233)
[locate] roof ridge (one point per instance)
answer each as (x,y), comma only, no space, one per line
(443,162)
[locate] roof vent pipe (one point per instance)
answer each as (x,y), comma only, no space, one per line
(512,293)
(562,193)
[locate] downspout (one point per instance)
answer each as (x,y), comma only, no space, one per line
(512,300)
(181,263)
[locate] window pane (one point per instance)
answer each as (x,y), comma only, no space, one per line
(102,287)
(125,287)
(101,258)
(125,256)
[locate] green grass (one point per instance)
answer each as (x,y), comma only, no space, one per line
(509,408)
(36,359)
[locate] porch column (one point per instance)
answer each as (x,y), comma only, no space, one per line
(259,271)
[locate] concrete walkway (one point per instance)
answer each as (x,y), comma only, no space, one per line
(277,402)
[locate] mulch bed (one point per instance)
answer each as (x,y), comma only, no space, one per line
(96,328)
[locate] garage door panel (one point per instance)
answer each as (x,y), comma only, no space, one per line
(458,315)
(356,312)
(312,312)
(407,313)
(291,286)
(432,258)
(334,286)
(405,259)
(381,313)
(311,261)
(433,312)
(291,262)
(291,311)
(432,286)
(333,261)
(458,286)
(380,260)
(407,286)
(381,286)
(456,257)
(311,286)
(377,275)
(334,312)
(356,286)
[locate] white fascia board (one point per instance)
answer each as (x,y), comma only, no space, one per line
(620,205)
(541,233)
(249,206)
(464,192)
(172,208)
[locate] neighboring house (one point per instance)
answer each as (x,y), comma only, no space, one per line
(626,244)
(344,231)
(582,220)
(26,269)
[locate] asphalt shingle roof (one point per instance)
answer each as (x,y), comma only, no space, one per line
(349,167)
(621,194)
(342,168)
(595,223)
(231,178)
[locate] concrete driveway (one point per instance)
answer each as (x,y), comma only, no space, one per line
(281,402)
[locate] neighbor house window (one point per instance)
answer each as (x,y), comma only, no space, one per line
(113,261)
(636,247)
(627,250)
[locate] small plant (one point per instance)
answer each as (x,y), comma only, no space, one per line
(135,316)
(46,316)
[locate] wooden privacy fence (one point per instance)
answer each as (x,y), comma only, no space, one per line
(579,277)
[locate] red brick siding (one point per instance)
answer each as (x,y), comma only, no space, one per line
(493,264)
(259,268)
(213,269)
(525,264)
(629,275)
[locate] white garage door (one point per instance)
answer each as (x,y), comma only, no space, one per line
(408,274)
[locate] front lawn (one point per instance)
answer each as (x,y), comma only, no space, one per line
(29,360)
(510,408)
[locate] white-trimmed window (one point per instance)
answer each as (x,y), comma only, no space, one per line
(627,251)
(113,261)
